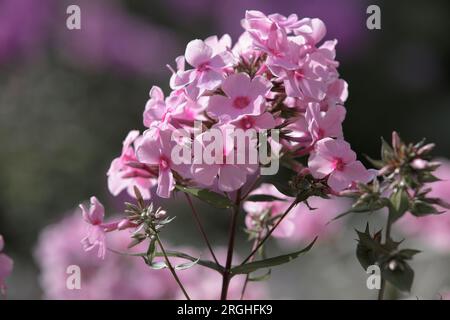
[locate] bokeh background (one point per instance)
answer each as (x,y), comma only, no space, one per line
(68,98)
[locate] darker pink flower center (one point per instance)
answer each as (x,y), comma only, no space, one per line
(203,67)
(164,163)
(299,74)
(241,102)
(338,164)
(247,122)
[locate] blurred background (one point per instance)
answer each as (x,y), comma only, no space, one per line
(68,98)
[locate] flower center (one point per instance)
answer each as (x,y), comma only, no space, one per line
(164,163)
(241,102)
(299,74)
(247,122)
(203,67)
(338,164)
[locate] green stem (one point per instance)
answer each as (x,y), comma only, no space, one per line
(226,276)
(387,238)
(201,229)
(172,270)
(267,236)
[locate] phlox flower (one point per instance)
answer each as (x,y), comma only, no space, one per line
(6,267)
(155,150)
(181,108)
(125,172)
(244,96)
(335,159)
(322,124)
(223,164)
(208,72)
(305,73)
(96,232)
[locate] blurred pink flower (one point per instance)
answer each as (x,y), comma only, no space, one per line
(121,276)
(335,159)
(6,267)
(256,209)
(111,38)
(309,224)
(433,230)
(115,277)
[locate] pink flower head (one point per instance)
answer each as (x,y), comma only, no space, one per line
(125,171)
(156,150)
(116,277)
(322,124)
(335,159)
(305,74)
(224,166)
(244,96)
(208,72)
(255,211)
(6,267)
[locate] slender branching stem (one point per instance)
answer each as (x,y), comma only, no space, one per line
(387,238)
(267,236)
(171,268)
(201,229)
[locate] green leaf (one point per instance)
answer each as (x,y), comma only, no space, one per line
(400,203)
(421,208)
(284,189)
(213,198)
(187,265)
(158,265)
(378,164)
(401,278)
(262,277)
(270,262)
(151,251)
(407,254)
(387,152)
(263,198)
(205,263)
(359,209)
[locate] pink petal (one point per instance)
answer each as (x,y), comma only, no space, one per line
(320,167)
(166,183)
(236,85)
(338,181)
(231,177)
(205,174)
(197,53)
(356,172)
